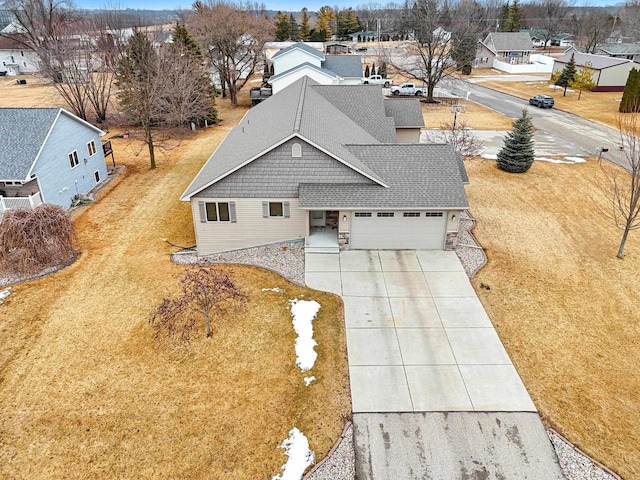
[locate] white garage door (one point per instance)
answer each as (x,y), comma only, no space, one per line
(398,230)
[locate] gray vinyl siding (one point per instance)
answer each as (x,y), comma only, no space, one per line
(59,183)
(278,174)
(251,228)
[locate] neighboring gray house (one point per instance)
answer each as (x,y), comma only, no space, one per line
(322,163)
(626,51)
(47,155)
(509,47)
(609,74)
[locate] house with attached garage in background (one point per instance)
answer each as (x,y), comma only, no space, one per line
(324,164)
(609,74)
(47,155)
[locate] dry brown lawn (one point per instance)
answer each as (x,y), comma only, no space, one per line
(36,93)
(597,106)
(86,391)
(565,307)
(476,116)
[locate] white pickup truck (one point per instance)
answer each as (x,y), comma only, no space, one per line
(407,89)
(377,80)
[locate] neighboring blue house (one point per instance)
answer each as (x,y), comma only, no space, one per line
(47,155)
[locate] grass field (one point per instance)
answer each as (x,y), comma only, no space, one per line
(597,106)
(565,307)
(476,116)
(86,391)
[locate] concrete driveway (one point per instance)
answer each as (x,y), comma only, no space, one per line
(434,393)
(418,338)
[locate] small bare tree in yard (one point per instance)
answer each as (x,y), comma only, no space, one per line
(462,138)
(205,293)
(34,239)
(621,188)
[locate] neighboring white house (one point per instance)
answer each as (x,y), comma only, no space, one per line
(16,58)
(324,164)
(301,60)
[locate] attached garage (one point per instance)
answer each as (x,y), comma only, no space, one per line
(398,230)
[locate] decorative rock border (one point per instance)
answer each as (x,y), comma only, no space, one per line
(339,464)
(285,259)
(576,464)
(469,251)
(14,279)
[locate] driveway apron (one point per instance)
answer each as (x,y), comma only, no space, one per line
(419,340)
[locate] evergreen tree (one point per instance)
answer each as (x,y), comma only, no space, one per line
(631,97)
(517,154)
(583,79)
(504,18)
(367,72)
(182,37)
(282,27)
(516,17)
(373,68)
(383,70)
(567,75)
(294,29)
(347,21)
(326,16)
(305,28)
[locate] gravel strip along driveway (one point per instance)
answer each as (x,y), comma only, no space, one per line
(286,259)
(469,251)
(339,465)
(575,464)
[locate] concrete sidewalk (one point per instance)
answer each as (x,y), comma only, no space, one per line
(418,338)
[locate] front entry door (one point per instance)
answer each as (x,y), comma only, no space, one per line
(317,218)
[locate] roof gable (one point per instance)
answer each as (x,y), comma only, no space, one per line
(302,47)
(297,110)
(302,66)
(509,42)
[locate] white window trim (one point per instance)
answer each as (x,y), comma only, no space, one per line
(96,176)
(91,145)
(73,155)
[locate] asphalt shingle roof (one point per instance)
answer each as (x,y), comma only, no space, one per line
(303,65)
(598,62)
(405,111)
(22,133)
(351,124)
(419,176)
(301,46)
(619,48)
(509,42)
(344,66)
(296,110)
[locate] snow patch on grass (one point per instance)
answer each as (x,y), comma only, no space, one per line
(303,313)
(276,289)
(308,380)
(572,160)
(5,293)
(300,456)
(575,159)
(489,156)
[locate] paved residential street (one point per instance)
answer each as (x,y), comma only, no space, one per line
(569,132)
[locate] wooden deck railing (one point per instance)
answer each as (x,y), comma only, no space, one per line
(32,201)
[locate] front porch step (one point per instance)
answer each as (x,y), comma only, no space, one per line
(309,249)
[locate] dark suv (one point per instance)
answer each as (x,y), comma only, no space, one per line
(542,101)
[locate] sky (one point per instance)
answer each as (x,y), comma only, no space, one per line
(285,5)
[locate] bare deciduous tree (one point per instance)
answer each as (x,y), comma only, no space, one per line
(162,90)
(460,136)
(34,239)
(232,38)
(620,187)
(429,57)
(205,292)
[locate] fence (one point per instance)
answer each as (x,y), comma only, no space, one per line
(539,64)
(7,203)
